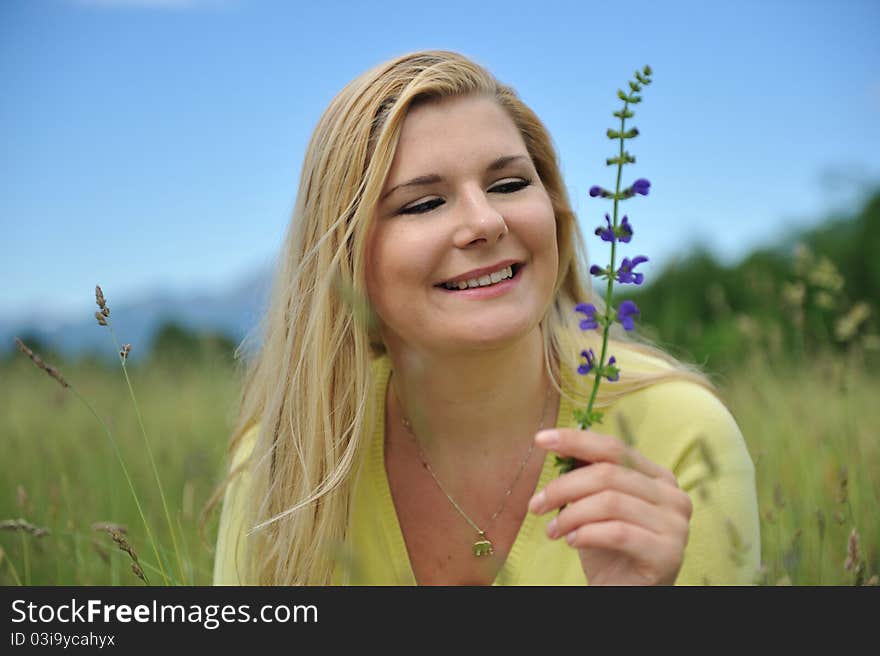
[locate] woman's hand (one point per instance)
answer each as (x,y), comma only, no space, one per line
(625,514)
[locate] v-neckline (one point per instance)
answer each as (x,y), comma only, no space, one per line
(509,572)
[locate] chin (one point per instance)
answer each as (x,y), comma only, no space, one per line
(493,337)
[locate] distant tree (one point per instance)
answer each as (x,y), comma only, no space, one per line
(783,301)
(174,342)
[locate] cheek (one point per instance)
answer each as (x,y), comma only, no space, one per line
(539,229)
(398,259)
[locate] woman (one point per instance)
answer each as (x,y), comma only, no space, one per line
(420,334)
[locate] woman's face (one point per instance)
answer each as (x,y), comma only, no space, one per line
(462,200)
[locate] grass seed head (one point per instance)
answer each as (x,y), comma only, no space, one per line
(23,525)
(45,366)
(126,349)
(122,543)
(852,551)
(99,299)
(110,526)
(138,572)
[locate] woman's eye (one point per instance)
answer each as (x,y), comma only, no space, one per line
(513,185)
(428,205)
(421,208)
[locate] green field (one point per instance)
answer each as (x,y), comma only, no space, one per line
(811,430)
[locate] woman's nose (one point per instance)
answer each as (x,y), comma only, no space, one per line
(478,221)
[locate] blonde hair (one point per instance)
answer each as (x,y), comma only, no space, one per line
(309,386)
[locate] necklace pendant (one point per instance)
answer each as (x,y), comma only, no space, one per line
(483,547)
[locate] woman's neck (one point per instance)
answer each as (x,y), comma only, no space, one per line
(472,405)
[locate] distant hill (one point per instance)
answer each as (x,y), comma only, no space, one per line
(232,313)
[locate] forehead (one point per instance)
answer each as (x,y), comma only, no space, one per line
(452,130)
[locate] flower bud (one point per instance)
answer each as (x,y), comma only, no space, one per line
(613,134)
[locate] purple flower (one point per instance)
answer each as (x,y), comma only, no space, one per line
(626,313)
(614,373)
(590,358)
(641,186)
(625,230)
(590,311)
(596,270)
(607,234)
(595,190)
(626,275)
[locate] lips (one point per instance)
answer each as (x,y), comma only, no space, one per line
(478,273)
(516,268)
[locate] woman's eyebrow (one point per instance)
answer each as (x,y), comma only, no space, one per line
(433,178)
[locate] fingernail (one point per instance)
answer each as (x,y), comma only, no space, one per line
(537,502)
(547,438)
(551,528)
(570,537)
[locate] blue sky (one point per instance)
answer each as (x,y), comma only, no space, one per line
(157,143)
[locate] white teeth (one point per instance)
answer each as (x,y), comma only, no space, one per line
(483,281)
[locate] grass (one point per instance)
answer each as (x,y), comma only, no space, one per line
(811,430)
(60,472)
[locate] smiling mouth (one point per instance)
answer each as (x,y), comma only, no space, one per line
(508,273)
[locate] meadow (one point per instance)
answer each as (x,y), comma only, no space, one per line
(810,426)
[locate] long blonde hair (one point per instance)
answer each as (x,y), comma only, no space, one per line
(309,385)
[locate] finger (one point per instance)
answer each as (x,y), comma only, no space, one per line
(657,554)
(596,447)
(594,478)
(612,505)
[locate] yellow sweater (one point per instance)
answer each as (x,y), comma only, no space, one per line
(668,420)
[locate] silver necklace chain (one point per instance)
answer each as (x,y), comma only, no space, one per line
(486,549)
